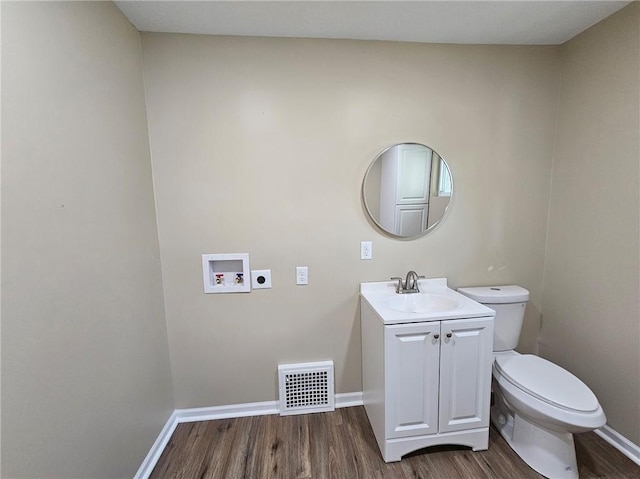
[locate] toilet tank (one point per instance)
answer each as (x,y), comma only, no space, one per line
(509,303)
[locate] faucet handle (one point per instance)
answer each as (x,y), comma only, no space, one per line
(400,286)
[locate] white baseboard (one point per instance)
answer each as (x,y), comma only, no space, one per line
(620,442)
(252,409)
(223,412)
(180,416)
(156,450)
(349,399)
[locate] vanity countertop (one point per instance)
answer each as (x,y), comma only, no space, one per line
(379,295)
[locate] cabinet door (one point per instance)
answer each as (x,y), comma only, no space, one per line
(411,379)
(465,373)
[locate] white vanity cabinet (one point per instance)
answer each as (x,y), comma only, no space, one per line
(426,383)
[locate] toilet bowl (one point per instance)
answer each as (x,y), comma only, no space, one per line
(547,394)
(538,405)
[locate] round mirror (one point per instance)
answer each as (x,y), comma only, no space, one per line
(407,189)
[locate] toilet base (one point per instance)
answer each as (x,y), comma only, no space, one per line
(550,453)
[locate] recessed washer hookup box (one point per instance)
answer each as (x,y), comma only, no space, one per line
(226,273)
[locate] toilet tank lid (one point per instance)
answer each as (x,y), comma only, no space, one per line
(496,294)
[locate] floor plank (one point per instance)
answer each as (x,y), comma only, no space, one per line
(341,444)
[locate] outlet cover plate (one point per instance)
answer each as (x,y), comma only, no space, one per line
(366,250)
(302,275)
(260,278)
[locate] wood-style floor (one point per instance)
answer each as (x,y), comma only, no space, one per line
(341,445)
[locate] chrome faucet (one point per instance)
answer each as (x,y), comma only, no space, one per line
(409,285)
(411,282)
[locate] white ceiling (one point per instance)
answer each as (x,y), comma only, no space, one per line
(527,22)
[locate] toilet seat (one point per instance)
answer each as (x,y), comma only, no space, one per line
(547,382)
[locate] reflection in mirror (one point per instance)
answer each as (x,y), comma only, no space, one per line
(407,189)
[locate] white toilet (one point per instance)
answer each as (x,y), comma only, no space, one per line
(538,405)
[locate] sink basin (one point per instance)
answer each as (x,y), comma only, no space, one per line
(422,303)
(435,302)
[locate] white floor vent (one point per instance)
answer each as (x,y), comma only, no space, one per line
(306,388)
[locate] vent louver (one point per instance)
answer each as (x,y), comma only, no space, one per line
(306,388)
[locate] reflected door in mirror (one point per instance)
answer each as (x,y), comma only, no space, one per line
(404,189)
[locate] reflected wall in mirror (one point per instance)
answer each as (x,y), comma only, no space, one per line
(407,189)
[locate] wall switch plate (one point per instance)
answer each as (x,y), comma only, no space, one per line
(302,275)
(366,250)
(260,278)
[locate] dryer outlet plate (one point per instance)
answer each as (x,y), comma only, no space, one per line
(260,279)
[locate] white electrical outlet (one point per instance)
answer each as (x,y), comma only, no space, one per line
(302,275)
(366,250)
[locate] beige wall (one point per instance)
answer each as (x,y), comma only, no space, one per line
(260,146)
(86,384)
(591,320)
